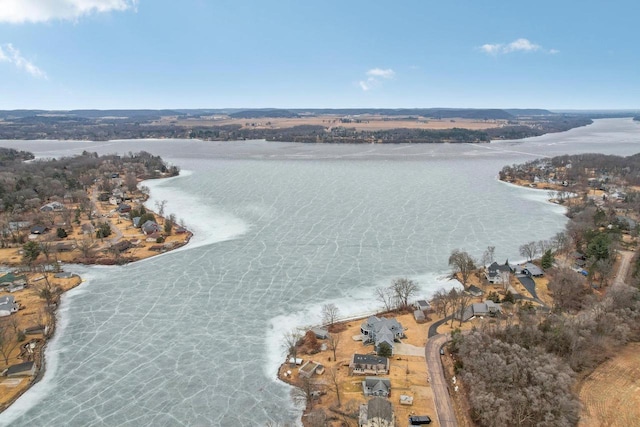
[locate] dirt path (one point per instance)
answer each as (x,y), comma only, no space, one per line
(623,268)
(444,408)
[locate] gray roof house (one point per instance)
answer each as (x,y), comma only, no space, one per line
(378,330)
(474,291)
(53,206)
(150,227)
(486,308)
(378,412)
(495,272)
(368,364)
(423,305)
(530,269)
(374,386)
(8,306)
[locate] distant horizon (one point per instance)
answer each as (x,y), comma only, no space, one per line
(553,110)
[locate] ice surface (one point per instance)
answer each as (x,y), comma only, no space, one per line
(193,337)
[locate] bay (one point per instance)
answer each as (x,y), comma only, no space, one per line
(193,337)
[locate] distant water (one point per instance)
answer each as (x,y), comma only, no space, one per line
(193,337)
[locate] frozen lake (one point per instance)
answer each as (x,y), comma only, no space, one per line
(193,337)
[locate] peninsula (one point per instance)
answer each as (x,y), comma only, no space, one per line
(86,209)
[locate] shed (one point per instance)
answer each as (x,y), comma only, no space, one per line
(320,333)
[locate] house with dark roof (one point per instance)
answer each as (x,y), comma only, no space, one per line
(150,227)
(474,291)
(369,364)
(378,330)
(123,208)
(374,386)
(378,412)
(38,229)
(26,369)
(497,273)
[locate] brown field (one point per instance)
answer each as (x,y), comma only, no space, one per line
(611,394)
(367,122)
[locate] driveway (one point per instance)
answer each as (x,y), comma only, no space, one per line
(402,349)
(529,285)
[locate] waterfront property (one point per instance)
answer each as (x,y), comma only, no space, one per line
(378,412)
(378,330)
(369,364)
(26,369)
(498,273)
(8,306)
(374,386)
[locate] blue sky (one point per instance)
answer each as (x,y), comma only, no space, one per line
(69,54)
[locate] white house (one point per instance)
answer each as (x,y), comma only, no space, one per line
(8,306)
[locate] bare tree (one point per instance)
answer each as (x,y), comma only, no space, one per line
(290,343)
(304,393)
(441,302)
(386,297)
(460,301)
(330,314)
(9,337)
(160,206)
(335,382)
(568,288)
(462,263)
(334,342)
(131,181)
(86,246)
(489,255)
(529,250)
(403,289)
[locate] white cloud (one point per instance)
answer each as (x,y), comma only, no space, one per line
(375,77)
(519,45)
(10,54)
(379,72)
(19,11)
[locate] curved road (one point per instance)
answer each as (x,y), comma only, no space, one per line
(444,408)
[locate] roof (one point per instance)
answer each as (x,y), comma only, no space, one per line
(495,267)
(376,384)
(474,290)
(379,407)
(369,359)
(533,269)
(20,368)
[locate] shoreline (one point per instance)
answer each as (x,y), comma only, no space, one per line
(53,323)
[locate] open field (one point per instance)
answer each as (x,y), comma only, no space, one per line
(362,122)
(610,395)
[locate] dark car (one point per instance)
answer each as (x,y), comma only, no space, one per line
(418,420)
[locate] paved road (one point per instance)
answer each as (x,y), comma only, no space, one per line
(444,408)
